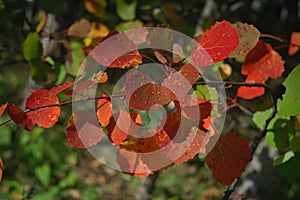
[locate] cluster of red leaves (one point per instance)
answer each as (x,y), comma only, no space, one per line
(230,155)
(261,63)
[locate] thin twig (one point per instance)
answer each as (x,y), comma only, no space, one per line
(57,105)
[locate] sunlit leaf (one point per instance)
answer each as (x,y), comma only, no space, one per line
(104,111)
(294,43)
(47,116)
(148,95)
(215,44)
(60,88)
(290,105)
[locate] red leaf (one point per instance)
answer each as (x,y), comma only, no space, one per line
(134,80)
(1,168)
(115,134)
(20,117)
(180,83)
(196,146)
(215,44)
(229,158)
(132,163)
(263,62)
(190,72)
(250,92)
(127,124)
(260,63)
(45,117)
(2,109)
(118,52)
(294,43)
(60,88)
(195,109)
(83,131)
(104,111)
(148,95)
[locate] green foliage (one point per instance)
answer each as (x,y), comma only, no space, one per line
(260,117)
(32,47)
(126,9)
(290,105)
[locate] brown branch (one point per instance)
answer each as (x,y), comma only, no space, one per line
(230,189)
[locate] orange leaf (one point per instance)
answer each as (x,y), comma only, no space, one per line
(229,158)
(104,111)
(215,44)
(2,108)
(20,117)
(127,125)
(83,131)
(45,117)
(294,43)
(60,88)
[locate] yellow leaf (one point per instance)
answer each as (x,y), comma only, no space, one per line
(95,7)
(43,17)
(97,31)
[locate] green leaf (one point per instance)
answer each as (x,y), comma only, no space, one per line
(248,37)
(62,73)
(68,181)
(124,26)
(282,133)
(205,92)
(74,60)
(43,173)
(290,168)
(260,117)
(126,9)
(295,144)
(42,72)
(290,105)
(32,48)
(283,158)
